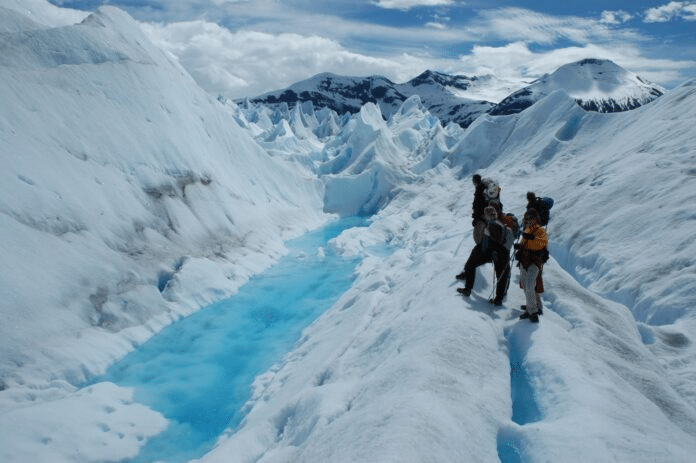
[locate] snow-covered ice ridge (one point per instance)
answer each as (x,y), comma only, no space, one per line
(131,198)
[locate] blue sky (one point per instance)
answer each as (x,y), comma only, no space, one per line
(247,47)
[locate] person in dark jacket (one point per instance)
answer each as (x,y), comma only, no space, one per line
(531,200)
(490,249)
(542,205)
(480,203)
(530,254)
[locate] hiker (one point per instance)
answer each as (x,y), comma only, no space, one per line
(486,192)
(494,247)
(542,205)
(531,253)
(480,203)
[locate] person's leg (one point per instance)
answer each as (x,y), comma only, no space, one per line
(502,272)
(528,277)
(476,259)
(479,227)
(539,290)
(523,282)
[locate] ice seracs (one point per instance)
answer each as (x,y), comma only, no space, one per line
(129,198)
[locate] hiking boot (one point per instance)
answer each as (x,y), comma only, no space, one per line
(461,276)
(524,309)
(465,291)
(525,316)
(534,318)
(496,302)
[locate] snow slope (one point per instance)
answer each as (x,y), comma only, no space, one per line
(403,369)
(120,177)
(130,198)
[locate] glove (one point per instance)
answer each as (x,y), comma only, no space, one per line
(528,236)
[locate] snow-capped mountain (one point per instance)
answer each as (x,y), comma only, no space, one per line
(130,198)
(596,85)
(443,95)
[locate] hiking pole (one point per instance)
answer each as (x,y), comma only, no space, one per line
(509,267)
(506,270)
(495,284)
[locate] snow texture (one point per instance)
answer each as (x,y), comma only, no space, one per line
(129,198)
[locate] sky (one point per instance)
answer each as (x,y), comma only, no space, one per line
(130,199)
(228,45)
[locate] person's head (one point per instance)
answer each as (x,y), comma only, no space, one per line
(531,197)
(476,179)
(532,217)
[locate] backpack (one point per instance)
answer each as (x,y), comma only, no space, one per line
(543,206)
(510,221)
(501,234)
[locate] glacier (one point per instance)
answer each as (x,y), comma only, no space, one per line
(131,199)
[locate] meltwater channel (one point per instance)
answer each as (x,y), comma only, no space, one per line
(198,371)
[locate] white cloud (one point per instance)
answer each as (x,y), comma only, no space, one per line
(269,55)
(436,25)
(517,61)
(247,63)
(615,17)
(670,11)
(408,4)
(689,12)
(517,24)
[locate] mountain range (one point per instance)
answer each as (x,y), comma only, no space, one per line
(595,84)
(132,200)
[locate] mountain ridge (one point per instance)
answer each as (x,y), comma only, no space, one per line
(595,84)
(348,94)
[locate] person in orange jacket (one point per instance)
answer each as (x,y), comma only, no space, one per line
(531,253)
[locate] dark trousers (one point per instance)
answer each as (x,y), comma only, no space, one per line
(501,261)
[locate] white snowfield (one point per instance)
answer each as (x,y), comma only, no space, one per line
(130,198)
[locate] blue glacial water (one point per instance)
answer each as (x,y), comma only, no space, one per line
(198,371)
(511,447)
(513,441)
(524,406)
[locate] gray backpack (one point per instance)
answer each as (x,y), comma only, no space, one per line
(501,234)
